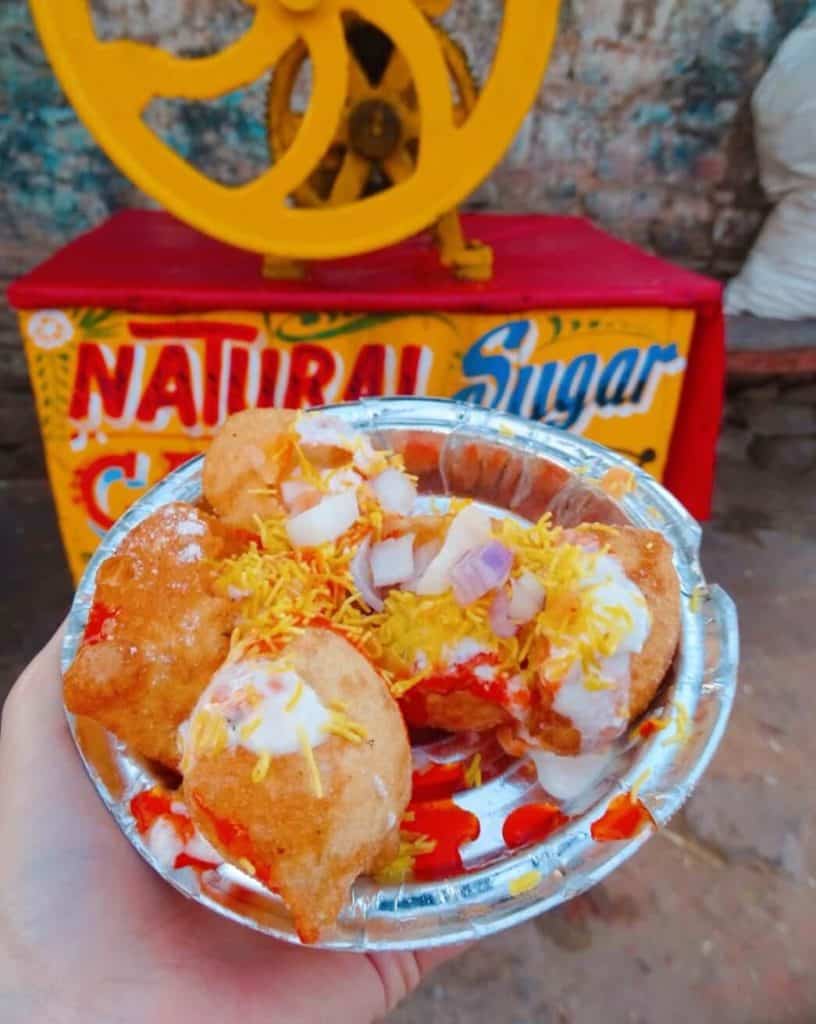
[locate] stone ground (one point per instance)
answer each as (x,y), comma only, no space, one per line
(715,920)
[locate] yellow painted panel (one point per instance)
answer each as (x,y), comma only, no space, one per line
(124,398)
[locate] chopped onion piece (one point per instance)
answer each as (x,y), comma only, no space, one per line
(511,610)
(481,570)
(392,561)
(469,529)
(395,491)
(294,491)
(527,598)
(344,479)
(327,521)
(499,615)
(361,572)
(423,556)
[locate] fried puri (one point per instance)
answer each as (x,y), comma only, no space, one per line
(156,633)
(457,706)
(306,786)
(646,558)
(454,711)
(243,462)
(258,450)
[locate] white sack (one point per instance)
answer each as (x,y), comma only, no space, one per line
(779,277)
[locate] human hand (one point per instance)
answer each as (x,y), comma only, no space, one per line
(88,933)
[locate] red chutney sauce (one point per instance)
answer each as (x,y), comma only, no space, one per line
(146,807)
(100,614)
(449,827)
(438,781)
(649,727)
(623,819)
(232,837)
(236,839)
(152,804)
(532,823)
(455,679)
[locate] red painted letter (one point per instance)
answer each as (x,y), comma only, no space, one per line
(311,370)
(368,376)
(112,385)
(170,386)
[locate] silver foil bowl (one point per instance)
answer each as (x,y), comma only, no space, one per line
(513,467)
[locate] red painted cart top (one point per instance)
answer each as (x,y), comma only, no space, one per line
(144,261)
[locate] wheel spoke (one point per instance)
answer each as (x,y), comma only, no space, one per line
(417,42)
(397,76)
(460,114)
(399,166)
(327,51)
(358,84)
(288,127)
(204,78)
(351,179)
(142,72)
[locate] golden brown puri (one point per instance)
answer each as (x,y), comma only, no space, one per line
(311,848)
(455,711)
(646,558)
(141,675)
(243,459)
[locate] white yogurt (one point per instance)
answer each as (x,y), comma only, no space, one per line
(273,722)
(600,715)
(568,777)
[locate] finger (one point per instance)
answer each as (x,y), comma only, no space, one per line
(429,959)
(401,973)
(36,696)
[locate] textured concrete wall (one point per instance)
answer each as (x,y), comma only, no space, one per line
(643,124)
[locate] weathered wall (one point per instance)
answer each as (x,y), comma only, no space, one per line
(643,124)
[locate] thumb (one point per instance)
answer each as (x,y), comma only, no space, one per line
(35,700)
(401,973)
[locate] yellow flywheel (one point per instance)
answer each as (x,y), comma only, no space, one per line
(111,85)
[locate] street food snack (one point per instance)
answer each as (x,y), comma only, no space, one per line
(297,769)
(560,638)
(270,646)
(156,632)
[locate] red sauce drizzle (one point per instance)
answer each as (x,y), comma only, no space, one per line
(623,819)
(532,823)
(152,804)
(99,615)
(449,827)
(649,728)
(148,806)
(185,861)
(236,840)
(246,537)
(456,678)
(438,781)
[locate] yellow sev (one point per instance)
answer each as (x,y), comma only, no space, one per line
(339,724)
(524,883)
(401,867)
(571,627)
(261,769)
(287,590)
(311,763)
(473,772)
